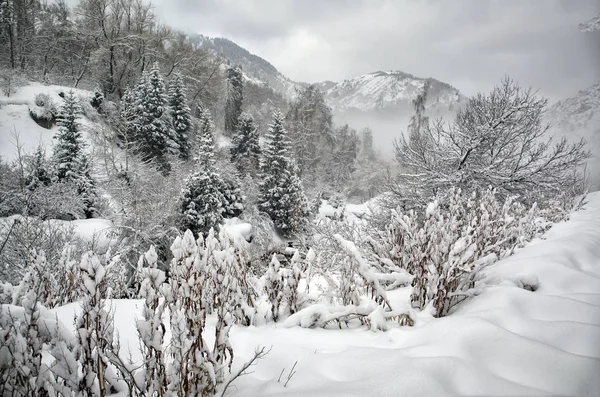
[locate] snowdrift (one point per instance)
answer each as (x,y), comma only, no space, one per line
(508,341)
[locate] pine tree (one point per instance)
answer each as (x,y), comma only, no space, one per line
(205,140)
(181,116)
(70,146)
(71,162)
(38,172)
(152,125)
(202,203)
(281,193)
(245,152)
(233,106)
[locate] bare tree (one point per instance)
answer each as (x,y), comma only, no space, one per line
(497,140)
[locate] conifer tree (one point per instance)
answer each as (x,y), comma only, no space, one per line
(202,203)
(233,106)
(281,193)
(69,143)
(71,162)
(181,117)
(152,125)
(245,152)
(38,172)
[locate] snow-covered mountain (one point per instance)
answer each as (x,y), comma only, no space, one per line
(392,90)
(579,117)
(380,100)
(256,69)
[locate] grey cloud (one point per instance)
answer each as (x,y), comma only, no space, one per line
(471,44)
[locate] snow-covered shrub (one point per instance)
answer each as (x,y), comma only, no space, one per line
(281,283)
(10,189)
(457,235)
(96,345)
(151,327)
(207,274)
(21,235)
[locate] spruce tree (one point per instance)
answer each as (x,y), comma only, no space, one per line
(38,172)
(233,106)
(202,202)
(69,142)
(245,152)
(281,193)
(71,162)
(181,117)
(152,125)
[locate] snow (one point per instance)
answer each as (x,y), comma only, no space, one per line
(380,90)
(15,118)
(506,341)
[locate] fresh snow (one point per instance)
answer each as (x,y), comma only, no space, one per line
(507,341)
(15,118)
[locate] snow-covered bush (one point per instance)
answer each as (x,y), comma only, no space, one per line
(457,235)
(20,236)
(206,275)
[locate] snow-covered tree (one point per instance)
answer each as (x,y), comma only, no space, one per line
(205,140)
(281,193)
(203,200)
(69,147)
(71,162)
(245,150)
(497,140)
(310,125)
(153,127)
(233,106)
(181,116)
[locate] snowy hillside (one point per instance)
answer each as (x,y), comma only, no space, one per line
(385,90)
(255,68)
(506,341)
(579,117)
(15,118)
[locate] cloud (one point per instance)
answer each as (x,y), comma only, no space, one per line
(471,44)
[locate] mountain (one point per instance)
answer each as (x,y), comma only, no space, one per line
(579,117)
(381,100)
(381,91)
(256,69)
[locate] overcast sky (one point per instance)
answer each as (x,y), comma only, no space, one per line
(470,44)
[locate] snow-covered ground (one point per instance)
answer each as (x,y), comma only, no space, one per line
(15,119)
(508,341)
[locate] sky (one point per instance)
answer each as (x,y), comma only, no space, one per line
(471,44)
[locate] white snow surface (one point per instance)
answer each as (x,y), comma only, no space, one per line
(508,341)
(15,118)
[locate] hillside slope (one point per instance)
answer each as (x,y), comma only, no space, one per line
(387,90)
(579,117)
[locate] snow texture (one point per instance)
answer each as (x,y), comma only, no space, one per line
(507,341)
